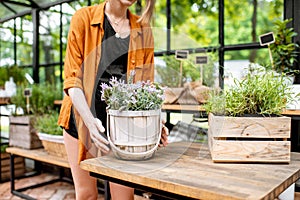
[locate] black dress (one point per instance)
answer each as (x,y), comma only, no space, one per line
(113,63)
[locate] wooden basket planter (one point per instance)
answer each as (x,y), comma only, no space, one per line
(249,139)
(22,134)
(5,166)
(54,144)
(134,135)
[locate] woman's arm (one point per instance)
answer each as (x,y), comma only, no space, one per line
(93,124)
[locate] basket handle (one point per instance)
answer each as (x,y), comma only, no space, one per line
(131,153)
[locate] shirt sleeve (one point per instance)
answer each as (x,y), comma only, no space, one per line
(73,69)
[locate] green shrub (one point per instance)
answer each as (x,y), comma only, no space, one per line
(41,100)
(48,124)
(260,92)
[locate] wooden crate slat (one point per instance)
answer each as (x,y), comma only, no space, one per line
(257,127)
(22,134)
(249,139)
(251,151)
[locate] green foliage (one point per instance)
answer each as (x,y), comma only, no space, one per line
(48,124)
(42,99)
(14,71)
(3,148)
(170,74)
(284,51)
(260,92)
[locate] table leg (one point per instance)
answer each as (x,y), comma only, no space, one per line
(12,173)
(168,116)
(106,190)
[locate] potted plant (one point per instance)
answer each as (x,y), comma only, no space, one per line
(50,134)
(245,122)
(134,117)
(284,50)
(40,102)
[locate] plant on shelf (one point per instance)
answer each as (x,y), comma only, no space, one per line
(50,134)
(28,110)
(245,121)
(41,100)
(284,50)
(48,124)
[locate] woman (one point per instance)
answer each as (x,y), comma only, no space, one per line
(104,41)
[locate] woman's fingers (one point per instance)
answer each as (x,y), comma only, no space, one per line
(164,136)
(99,125)
(100,142)
(98,139)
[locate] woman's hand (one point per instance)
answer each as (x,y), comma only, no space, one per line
(164,135)
(95,128)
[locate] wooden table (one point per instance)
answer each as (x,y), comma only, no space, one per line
(184,170)
(295,128)
(178,108)
(37,155)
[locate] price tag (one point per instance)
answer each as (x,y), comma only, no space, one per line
(27,92)
(266,39)
(181,54)
(201,59)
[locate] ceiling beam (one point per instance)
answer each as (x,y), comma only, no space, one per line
(9,8)
(27,12)
(17,3)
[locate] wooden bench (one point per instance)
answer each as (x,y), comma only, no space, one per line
(39,155)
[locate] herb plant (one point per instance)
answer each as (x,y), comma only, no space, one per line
(132,96)
(260,92)
(48,124)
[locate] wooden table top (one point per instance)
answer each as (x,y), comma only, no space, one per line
(178,107)
(187,169)
(39,155)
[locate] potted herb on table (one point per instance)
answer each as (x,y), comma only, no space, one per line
(134,117)
(245,122)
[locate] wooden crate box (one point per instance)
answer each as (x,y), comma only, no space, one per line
(249,139)
(22,134)
(5,166)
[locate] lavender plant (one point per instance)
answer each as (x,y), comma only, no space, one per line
(142,95)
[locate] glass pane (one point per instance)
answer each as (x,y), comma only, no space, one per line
(24,40)
(245,20)
(43,2)
(6,44)
(49,37)
(168,70)
(194,24)
(10,9)
(159,24)
(237,62)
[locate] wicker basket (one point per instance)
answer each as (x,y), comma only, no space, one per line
(53,144)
